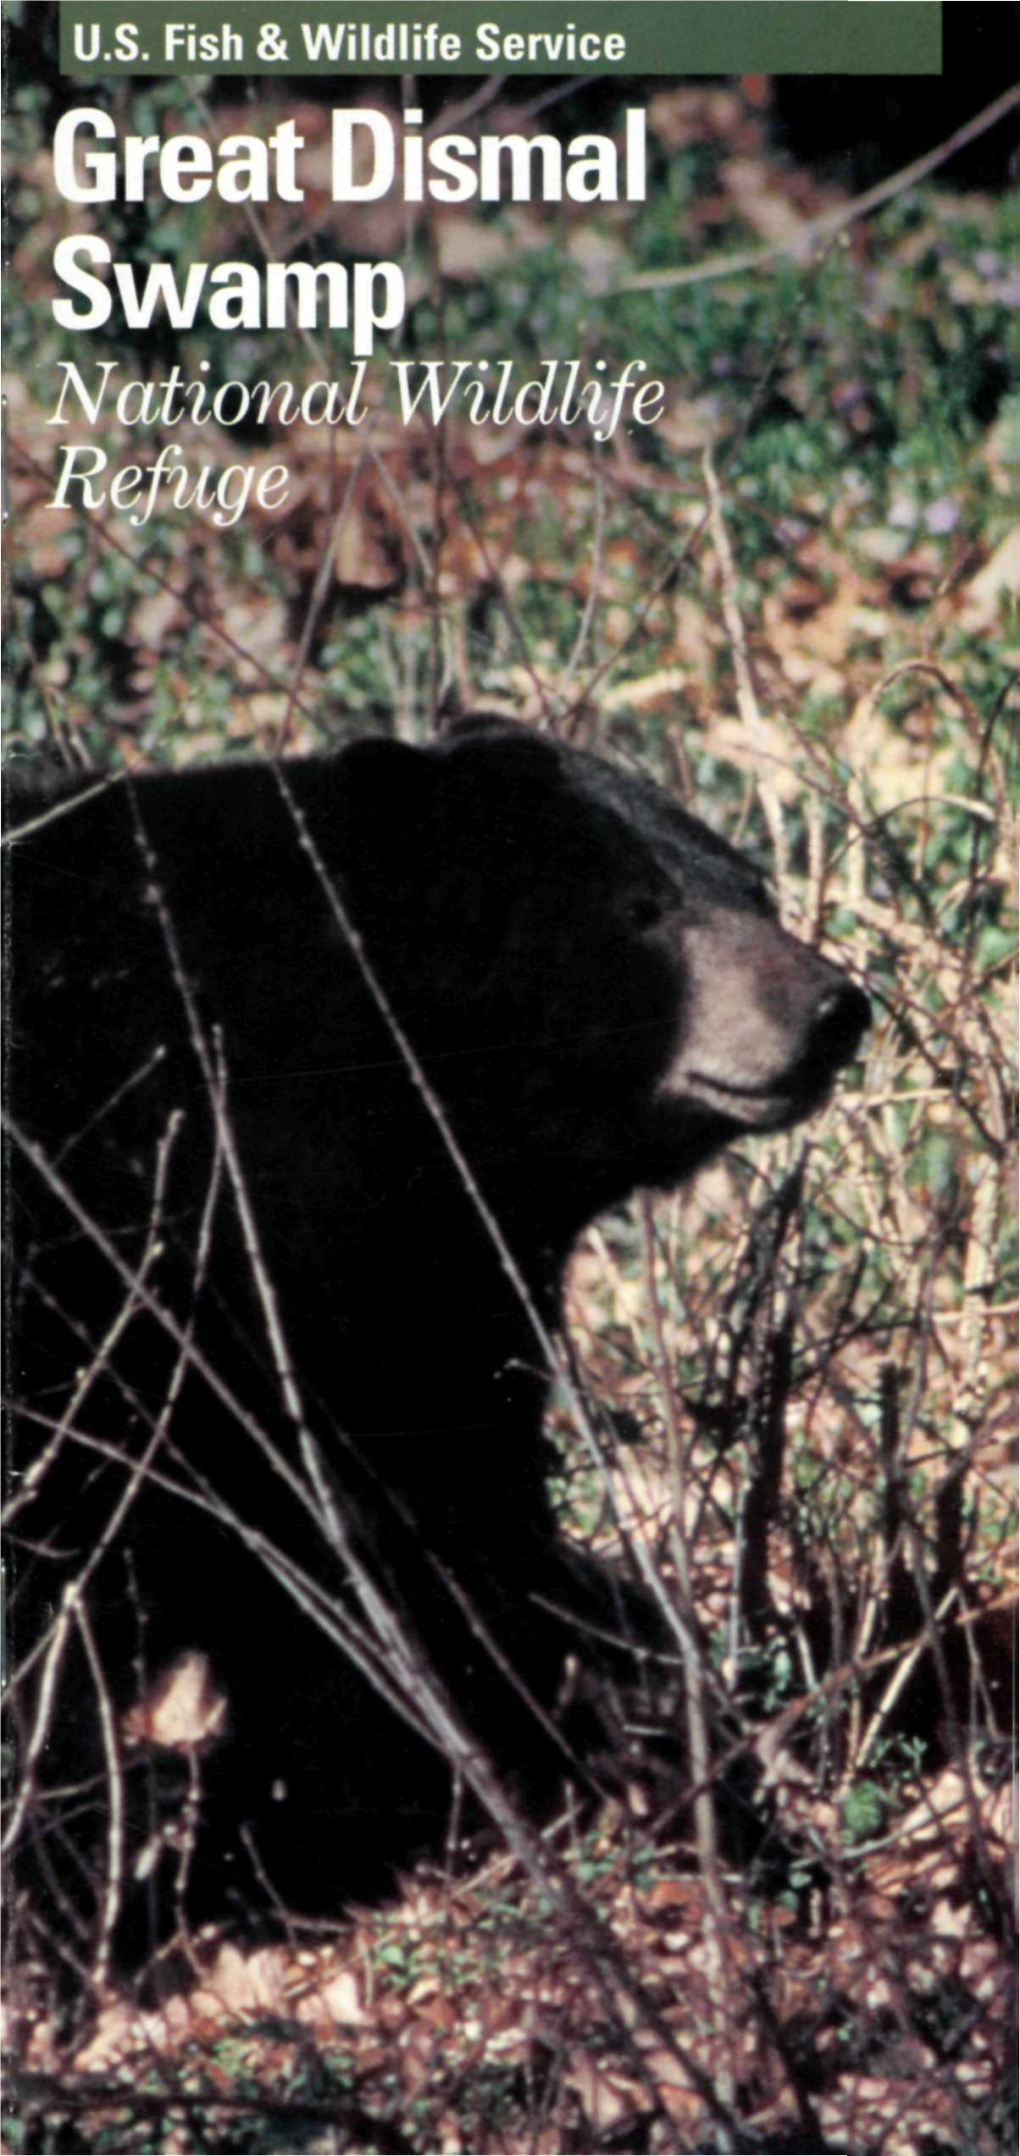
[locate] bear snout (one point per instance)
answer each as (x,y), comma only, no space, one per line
(766,1024)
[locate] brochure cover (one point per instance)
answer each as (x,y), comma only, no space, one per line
(511,641)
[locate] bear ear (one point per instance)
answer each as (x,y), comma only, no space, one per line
(385,773)
(382,813)
(501,749)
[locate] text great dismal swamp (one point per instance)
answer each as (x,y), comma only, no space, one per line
(94,163)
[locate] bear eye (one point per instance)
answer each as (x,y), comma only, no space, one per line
(645,910)
(765,900)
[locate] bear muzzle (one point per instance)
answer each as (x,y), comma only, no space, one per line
(766,1022)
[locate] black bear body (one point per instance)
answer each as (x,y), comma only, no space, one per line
(238,1217)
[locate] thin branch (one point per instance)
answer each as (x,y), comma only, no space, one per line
(798,244)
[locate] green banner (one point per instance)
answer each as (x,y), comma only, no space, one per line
(519,37)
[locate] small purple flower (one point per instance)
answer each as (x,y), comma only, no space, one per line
(942,515)
(791,531)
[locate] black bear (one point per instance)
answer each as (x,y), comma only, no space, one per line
(316,1071)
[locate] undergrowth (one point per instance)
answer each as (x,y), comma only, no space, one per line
(791,601)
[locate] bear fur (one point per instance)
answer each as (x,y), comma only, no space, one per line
(245,1242)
